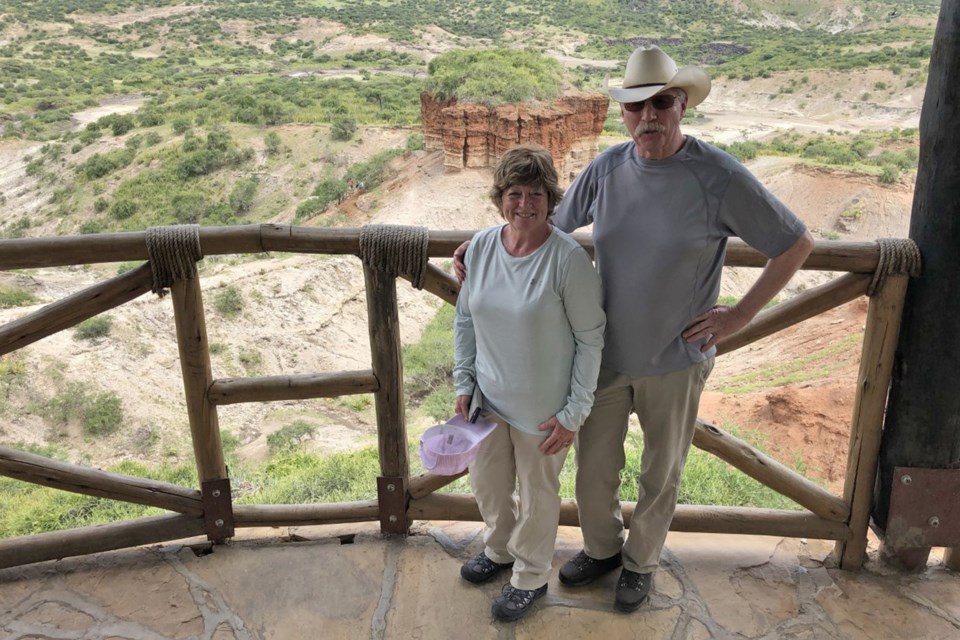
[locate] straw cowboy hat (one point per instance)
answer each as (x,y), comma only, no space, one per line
(650,71)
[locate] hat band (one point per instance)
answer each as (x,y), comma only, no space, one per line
(649,84)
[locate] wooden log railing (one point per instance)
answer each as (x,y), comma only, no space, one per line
(400,498)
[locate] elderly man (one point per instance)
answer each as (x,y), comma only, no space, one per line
(662,207)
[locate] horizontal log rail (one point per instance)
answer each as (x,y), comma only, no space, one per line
(95,539)
(688,518)
(26,253)
(94,482)
(289,515)
(295,387)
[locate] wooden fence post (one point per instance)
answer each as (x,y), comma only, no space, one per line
(204,426)
(873,382)
(383,323)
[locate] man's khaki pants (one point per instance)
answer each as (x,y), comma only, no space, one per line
(524,533)
(666,406)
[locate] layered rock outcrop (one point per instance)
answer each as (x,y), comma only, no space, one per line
(475,135)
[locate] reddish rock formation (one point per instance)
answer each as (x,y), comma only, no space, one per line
(475,135)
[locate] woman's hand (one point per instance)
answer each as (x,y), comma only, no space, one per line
(463,407)
(558,441)
(459,267)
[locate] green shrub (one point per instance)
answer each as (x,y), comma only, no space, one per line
(290,436)
(15,297)
(100,413)
(415,142)
(343,128)
(241,198)
(309,207)
(93,328)
(103,415)
(180,125)
(123,209)
(228,302)
(272,143)
(889,174)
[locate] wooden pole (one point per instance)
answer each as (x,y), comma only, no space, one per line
(873,381)
(298,387)
(197,377)
(806,305)
(768,471)
(15,552)
(383,324)
(204,427)
(93,482)
(74,309)
(690,518)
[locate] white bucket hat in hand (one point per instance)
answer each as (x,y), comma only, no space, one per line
(650,71)
(448,449)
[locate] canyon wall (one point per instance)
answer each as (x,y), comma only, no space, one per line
(475,135)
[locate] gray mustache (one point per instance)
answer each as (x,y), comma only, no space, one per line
(644,127)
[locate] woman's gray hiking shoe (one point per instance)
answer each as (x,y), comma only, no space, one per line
(581,569)
(513,604)
(480,568)
(632,589)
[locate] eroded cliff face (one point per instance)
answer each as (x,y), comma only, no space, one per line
(475,135)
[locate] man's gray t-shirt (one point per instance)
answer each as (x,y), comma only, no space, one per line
(660,229)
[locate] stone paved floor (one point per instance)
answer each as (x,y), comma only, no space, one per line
(347,582)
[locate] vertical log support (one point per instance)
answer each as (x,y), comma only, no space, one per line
(383,323)
(873,382)
(204,426)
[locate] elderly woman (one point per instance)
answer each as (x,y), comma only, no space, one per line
(528,333)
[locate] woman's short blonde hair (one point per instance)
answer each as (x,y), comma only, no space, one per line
(526,164)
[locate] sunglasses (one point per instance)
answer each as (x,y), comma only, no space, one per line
(659,102)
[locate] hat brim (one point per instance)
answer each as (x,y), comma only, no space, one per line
(693,80)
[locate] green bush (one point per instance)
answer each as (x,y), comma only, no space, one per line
(241,198)
(100,413)
(343,128)
(93,328)
(290,436)
(415,142)
(272,143)
(103,415)
(889,174)
(228,302)
(308,208)
(15,297)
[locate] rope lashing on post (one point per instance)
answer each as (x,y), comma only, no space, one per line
(174,251)
(897,255)
(395,249)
